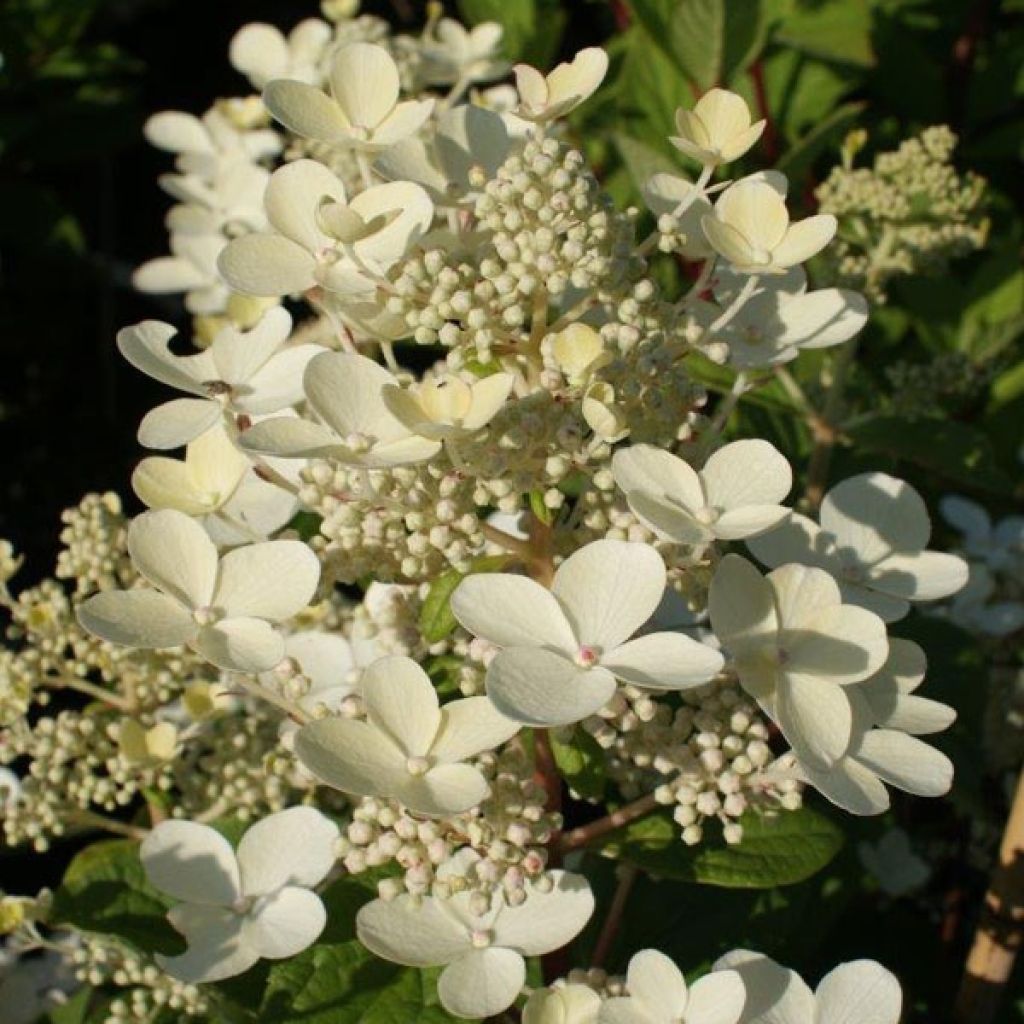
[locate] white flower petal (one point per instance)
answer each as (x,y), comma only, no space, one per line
(272,580)
(413,931)
(798,539)
(291,847)
(717,998)
(804,239)
(146,346)
(749,521)
(663,661)
(906,762)
(292,438)
(216,946)
(512,611)
(444,790)
(542,688)
(846,644)
(546,920)
(802,594)
(294,196)
(175,554)
(609,589)
(278,384)
(623,1010)
(260,52)
(137,618)
(262,265)
(859,992)
(238,354)
(306,110)
(240,645)
(815,717)
(655,981)
(405,120)
(741,603)
(750,472)
(346,391)
(177,422)
(469,727)
(285,923)
(192,863)
(849,785)
(775,994)
(401,702)
(351,756)
(482,982)
(177,132)
(922,576)
(668,520)
(822,318)
(645,468)
(365,84)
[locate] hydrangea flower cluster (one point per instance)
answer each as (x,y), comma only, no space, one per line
(432,364)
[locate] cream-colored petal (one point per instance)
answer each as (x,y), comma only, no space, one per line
(262,265)
(174,553)
(365,84)
(401,702)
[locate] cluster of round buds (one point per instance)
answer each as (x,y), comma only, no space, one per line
(708,758)
(946,376)
(146,990)
(505,837)
(910,213)
(414,522)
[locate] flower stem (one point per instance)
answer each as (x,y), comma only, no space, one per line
(610,928)
(586,834)
(90,820)
(89,689)
(824,429)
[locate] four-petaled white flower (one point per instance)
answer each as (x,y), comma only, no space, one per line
(262,52)
(718,129)
(858,992)
(782,318)
(658,994)
(564,648)
(447,407)
(409,748)
(737,493)
(545,97)
(796,649)
(482,954)
(750,228)
(571,1003)
(872,538)
(242,372)
(198,485)
(190,269)
(1000,545)
(321,239)
(221,608)
(884,748)
(236,909)
(458,54)
(363,110)
(346,392)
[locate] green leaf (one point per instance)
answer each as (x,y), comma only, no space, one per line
(837,30)
(306,524)
(105,890)
(540,509)
(581,762)
(533,28)
(780,849)
(711,41)
(339,981)
(799,157)
(436,618)
(955,451)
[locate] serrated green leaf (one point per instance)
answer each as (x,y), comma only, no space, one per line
(581,762)
(711,41)
(105,890)
(778,849)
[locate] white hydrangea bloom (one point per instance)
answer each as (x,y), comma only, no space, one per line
(973,607)
(665,195)
(894,864)
(658,994)
(223,608)
(237,908)
(446,406)
(242,372)
(781,318)
(200,484)
(564,648)
(262,52)
(562,1004)
(202,145)
(545,97)
(737,494)
(457,54)
(999,545)
(884,748)
(190,269)
(228,200)
(750,228)
(321,238)
(857,992)
(796,649)
(873,532)
(482,954)
(467,139)
(363,110)
(718,130)
(346,392)
(409,748)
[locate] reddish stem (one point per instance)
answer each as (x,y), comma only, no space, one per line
(770,138)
